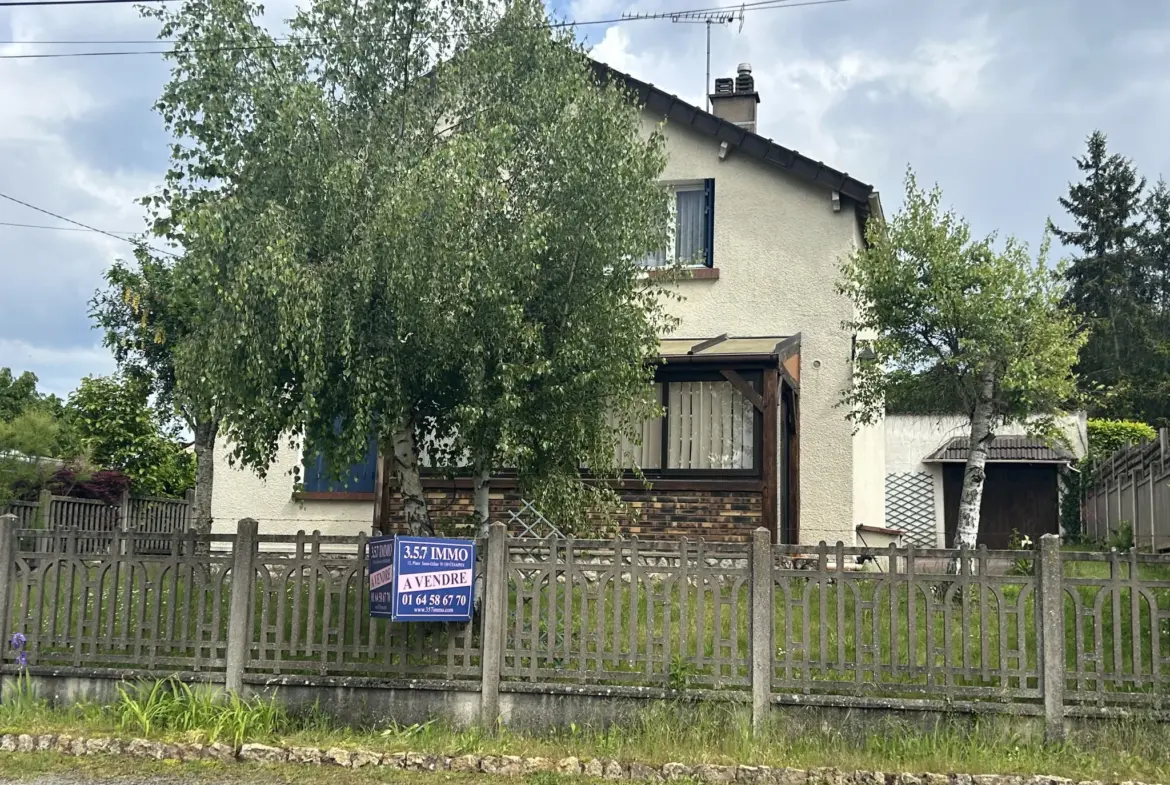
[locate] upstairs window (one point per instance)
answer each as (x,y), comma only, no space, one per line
(692,227)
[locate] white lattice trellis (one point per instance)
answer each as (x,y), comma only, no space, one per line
(529,522)
(910,507)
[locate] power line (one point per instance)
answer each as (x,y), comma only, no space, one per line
(761,5)
(4,3)
(55,228)
(135,243)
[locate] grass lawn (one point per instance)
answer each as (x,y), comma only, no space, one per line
(1109,751)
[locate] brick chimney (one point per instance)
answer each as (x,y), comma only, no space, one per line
(735,100)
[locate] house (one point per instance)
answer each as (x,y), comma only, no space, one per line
(925,457)
(751,379)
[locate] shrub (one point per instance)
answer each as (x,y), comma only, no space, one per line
(1108,436)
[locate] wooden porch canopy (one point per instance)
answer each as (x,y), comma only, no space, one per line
(766,371)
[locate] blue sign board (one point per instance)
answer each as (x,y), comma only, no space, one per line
(429,579)
(380,557)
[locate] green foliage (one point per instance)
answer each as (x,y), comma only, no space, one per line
(1119,285)
(1108,436)
(1121,538)
(679,676)
(1019,542)
(21,703)
(172,706)
(33,432)
(143,314)
(28,444)
(17,393)
(1073,485)
(118,428)
(146,313)
(375,251)
(984,326)
(939,302)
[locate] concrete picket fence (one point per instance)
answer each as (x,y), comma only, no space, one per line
(1045,633)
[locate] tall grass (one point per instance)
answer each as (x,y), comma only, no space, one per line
(173,707)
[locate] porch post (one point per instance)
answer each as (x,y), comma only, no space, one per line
(770,469)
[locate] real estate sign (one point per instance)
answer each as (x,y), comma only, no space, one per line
(380,558)
(431,579)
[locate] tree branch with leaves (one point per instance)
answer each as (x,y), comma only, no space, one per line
(986,325)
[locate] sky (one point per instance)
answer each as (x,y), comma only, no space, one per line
(990,99)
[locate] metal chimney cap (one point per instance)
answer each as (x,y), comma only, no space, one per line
(744,68)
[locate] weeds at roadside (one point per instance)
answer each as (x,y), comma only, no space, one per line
(172,706)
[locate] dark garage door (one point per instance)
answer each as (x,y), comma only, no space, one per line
(1019,496)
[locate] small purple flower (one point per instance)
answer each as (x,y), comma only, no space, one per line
(17,642)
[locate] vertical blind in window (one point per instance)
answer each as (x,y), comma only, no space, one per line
(690,228)
(648,454)
(710,425)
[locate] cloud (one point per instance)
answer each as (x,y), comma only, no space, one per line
(58,369)
(989,98)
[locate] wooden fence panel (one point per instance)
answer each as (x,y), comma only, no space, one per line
(148,515)
(1130,488)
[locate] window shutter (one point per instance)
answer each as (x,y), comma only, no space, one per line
(360,477)
(709,228)
(315,473)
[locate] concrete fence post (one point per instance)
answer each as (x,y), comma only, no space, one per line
(1050,583)
(239,634)
(188,511)
(762,622)
(44,507)
(124,511)
(494,619)
(8,527)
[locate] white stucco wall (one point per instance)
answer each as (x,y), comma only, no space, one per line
(778,248)
(239,493)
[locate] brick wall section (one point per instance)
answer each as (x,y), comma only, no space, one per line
(712,514)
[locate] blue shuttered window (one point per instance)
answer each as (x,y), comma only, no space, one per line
(693,227)
(358,478)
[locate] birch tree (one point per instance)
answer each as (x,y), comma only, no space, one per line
(983,323)
(415,220)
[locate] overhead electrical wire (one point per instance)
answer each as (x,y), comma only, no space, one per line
(57,228)
(4,3)
(759,5)
(135,243)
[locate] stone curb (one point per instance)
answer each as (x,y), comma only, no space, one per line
(503,765)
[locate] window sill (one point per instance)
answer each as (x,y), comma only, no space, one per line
(688,274)
(704,481)
(333,496)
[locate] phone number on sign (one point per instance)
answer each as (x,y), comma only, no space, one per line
(435,600)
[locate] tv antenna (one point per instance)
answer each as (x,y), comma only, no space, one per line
(708,18)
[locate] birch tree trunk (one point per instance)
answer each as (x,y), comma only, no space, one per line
(481,485)
(414,501)
(205,434)
(975,472)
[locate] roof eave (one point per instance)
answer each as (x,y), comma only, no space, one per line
(808,169)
